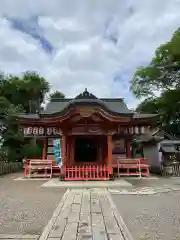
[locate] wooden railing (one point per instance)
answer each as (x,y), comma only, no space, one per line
(10,167)
(56,171)
(38,168)
(131,167)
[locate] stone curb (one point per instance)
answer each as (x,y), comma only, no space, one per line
(20,236)
(125,232)
(51,222)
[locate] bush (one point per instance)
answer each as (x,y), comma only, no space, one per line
(3,154)
(32,150)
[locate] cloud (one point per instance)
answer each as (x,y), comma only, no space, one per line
(96,44)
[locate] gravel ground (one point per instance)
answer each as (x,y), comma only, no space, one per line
(153,217)
(26,207)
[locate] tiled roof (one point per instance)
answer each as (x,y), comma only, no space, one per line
(144,115)
(113,105)
(168,149)
(29,116)
(145,138)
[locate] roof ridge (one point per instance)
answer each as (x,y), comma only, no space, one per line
(61,99)
(112,99)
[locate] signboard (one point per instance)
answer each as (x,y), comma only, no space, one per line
(87,130)
(41,131)
(118,146)
(57,151)
(86,112)
(123,130)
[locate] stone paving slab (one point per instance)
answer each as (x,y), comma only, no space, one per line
(55,182)
(86,214)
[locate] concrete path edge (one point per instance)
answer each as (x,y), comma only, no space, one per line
(19,236)
(126,233)
(51,222)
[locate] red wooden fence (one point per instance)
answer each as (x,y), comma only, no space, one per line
(87,172)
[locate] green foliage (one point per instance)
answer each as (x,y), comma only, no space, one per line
(23,94)
(32,149)
(28,91)
(161,76)
(168,107)
(56,95)
(3,154)
(149,105)
(163,71)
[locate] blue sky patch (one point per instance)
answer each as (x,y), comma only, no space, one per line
(30,27)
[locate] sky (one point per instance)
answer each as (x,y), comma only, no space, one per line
(78,44)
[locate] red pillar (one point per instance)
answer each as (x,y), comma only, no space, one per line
(44,155)
(109,141)
(68,145)
(73,151)
(128,147)
(63,150)
(70,157)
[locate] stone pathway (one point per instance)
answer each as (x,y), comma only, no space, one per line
(145,190)
(86,214)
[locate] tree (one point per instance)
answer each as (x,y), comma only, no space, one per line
(11,140)
(161,78)
(28,90)
(32,149)
(167,105)
(56,95)
(18,95)
(149,105)
(35,88)
(163,72)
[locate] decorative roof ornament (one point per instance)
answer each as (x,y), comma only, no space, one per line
(86,95)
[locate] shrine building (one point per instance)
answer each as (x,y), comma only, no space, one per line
(92,130)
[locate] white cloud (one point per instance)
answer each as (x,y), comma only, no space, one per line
(94,41)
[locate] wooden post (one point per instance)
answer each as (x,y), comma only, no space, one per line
(73,151)
(109,141)
(63,150)
(128,147)
(99,142)
(69,158)
(44,154)
(68,147)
